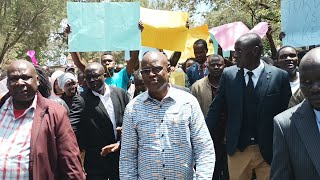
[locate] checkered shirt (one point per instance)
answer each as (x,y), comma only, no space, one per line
(164,140)
(15,136)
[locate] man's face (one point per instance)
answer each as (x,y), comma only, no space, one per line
(216,66)
(94,78)
(108,62)
(189,63)
(70,88)
(288,60)
(310,84)
(139,85)
(200,53)
(22,82)
(243,54)
(155,74)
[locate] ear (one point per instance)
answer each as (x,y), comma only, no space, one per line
(38,84)
(256,50)
(168,69)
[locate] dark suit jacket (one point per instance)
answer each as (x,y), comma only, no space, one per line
(273,90)
(93,127)
(296,144)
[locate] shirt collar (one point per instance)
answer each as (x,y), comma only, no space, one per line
(9,105)
(106,92)
(257,71)
(146,96)
(317,115)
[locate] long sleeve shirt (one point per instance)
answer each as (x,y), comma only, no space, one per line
(165,140)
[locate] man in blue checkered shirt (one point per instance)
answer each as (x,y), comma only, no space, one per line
(164,132)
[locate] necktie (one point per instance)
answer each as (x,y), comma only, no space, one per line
(250,86)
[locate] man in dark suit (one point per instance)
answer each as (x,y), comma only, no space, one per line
(296,131)
(251,93)
(95,116)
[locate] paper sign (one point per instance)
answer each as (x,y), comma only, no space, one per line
(201,32)
(111,26)
(300,22)
(164,29)
(32,55)
(227,34)
(178,78)
(260,29)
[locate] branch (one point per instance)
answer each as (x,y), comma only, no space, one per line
(27,27)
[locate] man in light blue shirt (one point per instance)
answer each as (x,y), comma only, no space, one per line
(297,130)
(164,132)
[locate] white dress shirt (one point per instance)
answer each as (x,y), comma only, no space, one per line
(317,118)
(107,103)
(256,74)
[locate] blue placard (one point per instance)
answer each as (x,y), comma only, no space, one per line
(111,26)
(300,22)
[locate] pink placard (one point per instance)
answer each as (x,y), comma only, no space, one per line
(32,55)
(227,34)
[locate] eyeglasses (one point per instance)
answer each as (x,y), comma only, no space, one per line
(154,70)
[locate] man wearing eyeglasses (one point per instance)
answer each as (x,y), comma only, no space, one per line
(164,132)
(96,117)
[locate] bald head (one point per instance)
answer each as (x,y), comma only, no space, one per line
(155,56)
(250,40)
(21,64)
(312,57)
(310,77)
(95,66)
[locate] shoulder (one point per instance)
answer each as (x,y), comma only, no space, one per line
(53,106)
(231,70)
(284,119)
(200,82)
(181,88)
(275,70)
(117,90)
(183,97)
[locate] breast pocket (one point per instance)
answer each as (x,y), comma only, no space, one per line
(179,127)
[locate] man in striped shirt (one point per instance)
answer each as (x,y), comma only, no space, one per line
(164,132)
(36,138)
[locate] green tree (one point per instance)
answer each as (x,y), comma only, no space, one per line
(250,12)
(27,25)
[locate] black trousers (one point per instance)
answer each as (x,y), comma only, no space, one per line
(221,167)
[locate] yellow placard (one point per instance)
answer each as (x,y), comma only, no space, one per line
(164,29)
(177,78)
(200,32)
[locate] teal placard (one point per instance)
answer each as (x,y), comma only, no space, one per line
(215,46)
(110,26)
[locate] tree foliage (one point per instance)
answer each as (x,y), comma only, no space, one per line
(26,25)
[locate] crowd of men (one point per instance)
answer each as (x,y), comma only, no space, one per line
(243,118)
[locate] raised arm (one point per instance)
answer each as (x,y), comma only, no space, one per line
(271,42)
(74,55)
